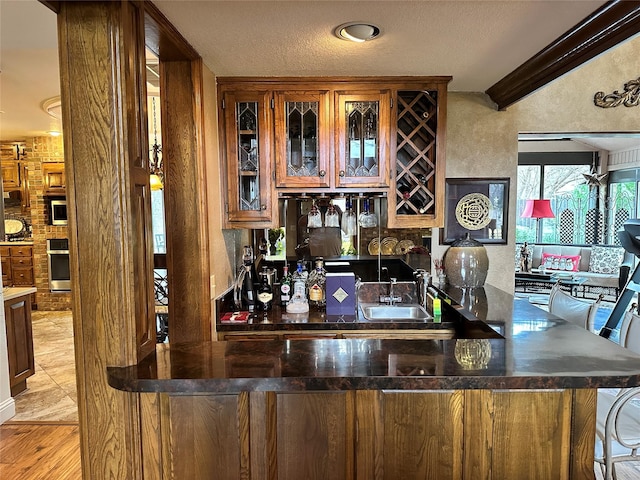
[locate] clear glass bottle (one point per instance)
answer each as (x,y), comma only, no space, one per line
(316,285)
(285,287)
(298,302)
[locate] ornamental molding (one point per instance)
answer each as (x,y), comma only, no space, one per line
(629,98)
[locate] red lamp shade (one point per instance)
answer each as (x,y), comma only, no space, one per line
(538,209)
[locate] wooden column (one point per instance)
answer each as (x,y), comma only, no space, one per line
(184,182)
(101,47)
(185,200)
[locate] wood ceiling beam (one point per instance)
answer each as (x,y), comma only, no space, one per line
(613,23)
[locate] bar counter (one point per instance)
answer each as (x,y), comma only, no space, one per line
(517,401)
(525,348)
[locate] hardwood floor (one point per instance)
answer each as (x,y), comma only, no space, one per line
(52,451)
(40,452)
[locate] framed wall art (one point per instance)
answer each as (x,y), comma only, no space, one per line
(477,206)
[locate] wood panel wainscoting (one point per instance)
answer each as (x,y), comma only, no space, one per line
(452,434)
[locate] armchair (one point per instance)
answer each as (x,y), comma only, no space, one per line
(574,310)
(618,417)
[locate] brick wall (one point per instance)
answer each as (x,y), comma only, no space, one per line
(40,150)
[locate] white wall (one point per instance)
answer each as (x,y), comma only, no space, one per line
(482,142)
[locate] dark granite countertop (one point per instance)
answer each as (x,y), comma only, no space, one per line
(533,351)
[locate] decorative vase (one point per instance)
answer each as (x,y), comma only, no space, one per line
(466,263)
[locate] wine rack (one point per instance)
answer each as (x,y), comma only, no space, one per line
(415,187)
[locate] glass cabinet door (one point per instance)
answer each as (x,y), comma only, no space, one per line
(363,139)
(302,139)
(247,120)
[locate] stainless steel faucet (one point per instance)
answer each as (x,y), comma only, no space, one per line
(391,298)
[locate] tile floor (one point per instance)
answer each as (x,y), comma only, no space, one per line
(51,392)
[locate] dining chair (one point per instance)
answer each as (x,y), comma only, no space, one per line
(618,413)
(575,310)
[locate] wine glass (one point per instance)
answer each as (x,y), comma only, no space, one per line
(349,221)
(366,218)
(314,219)
(331,218)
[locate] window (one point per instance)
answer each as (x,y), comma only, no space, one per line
(559,177)
(624,189)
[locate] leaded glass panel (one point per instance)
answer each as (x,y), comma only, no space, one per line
(362,139)
(249,155)
(302,142)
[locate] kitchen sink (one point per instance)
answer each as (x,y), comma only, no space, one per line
(375,312)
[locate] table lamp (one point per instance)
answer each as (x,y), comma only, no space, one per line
(539,208)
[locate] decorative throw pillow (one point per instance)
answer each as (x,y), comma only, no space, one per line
(567,263)
(605,259)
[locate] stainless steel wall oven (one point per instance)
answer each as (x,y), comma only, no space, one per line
(59,272)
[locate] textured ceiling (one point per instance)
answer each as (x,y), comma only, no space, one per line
(477,42)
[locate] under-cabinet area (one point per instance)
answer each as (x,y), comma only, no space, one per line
(381,136)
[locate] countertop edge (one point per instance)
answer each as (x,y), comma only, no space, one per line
(11,293)
(120,380)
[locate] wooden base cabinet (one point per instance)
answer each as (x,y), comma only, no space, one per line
(17,265)
(373,435)
(17,314)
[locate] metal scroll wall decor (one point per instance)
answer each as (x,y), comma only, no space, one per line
(629,98)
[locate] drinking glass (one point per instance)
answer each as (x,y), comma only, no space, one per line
(314,219)
(331,218)
(366,218)
(349,221)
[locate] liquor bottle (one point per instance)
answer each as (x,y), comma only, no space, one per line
(298,302)
(248,260)
(265,292)
(317,285)
(245,290)
(248,290)
(285,287)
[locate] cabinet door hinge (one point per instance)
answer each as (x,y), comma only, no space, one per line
(223,104)
(391,103)
(273,104)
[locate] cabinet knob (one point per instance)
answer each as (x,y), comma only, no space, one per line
(323,173)
(341,173)
(264,207)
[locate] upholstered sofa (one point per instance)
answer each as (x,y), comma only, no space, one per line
(606,268)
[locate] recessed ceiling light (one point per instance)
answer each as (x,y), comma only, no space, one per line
(357,32)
